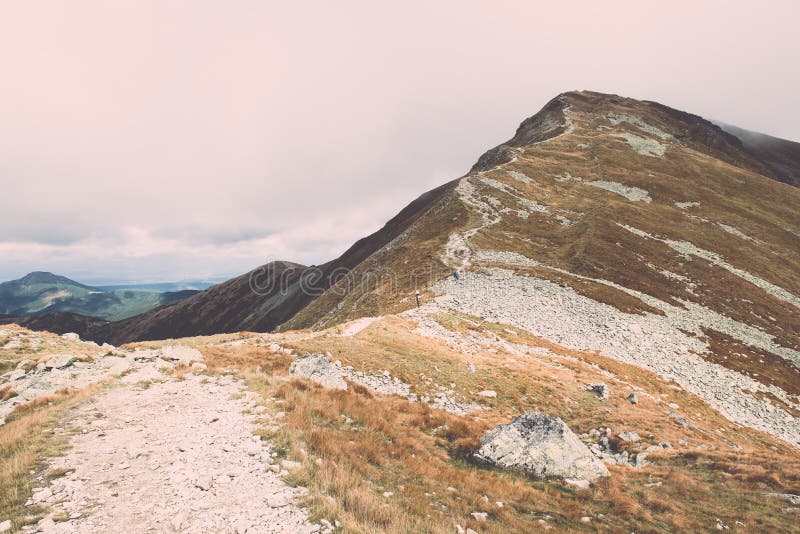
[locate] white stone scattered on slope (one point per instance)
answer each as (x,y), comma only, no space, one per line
(617,118)
(567,177)
(735,231)
(687,248)
(533,206)
(643,145)
(208,484)
(520,177)
(652,341)
(634,194)
(504,256)
(686,205)
(320,369)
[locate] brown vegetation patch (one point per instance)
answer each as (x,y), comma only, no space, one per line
(760,365)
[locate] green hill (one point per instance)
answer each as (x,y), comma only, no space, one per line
(43,292)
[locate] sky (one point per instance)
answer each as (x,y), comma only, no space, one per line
(163,140)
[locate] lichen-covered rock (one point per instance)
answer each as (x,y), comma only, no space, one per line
(318,368)
(540,445)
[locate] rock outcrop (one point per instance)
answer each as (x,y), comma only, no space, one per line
(332,374)
(539,445)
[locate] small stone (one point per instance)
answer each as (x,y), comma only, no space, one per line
(479,516)
(721,525)
(279,500)
(203,482)
(488,393)
(5,525)
(632,437)
(633,399)
(388,493)
(13,376)
(42,495)
(600,388)
(586,519)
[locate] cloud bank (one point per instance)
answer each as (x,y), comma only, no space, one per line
(148,140)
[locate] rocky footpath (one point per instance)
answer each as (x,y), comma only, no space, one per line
(41,375)
(155,450)
(167,455)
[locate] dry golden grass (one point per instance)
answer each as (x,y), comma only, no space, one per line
(7,392)
(355,445)
(25,443)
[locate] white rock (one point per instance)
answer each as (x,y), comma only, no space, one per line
(318,368)
(60,361)
(540,445)
(488,393)
(600,388)
(632,437)
(203,482)
(5,525)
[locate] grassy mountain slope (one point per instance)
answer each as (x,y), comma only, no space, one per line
(646,232)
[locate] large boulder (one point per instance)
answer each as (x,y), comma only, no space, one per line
(320,369)
(539,445)
(60,361)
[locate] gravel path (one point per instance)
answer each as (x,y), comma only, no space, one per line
(161,454)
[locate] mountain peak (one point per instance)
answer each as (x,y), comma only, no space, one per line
(44,277)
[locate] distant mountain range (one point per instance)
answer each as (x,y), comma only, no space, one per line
(40,293)
(161,287)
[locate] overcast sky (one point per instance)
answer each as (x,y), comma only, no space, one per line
(165,140)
